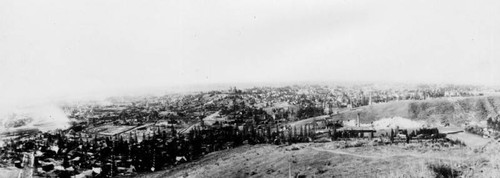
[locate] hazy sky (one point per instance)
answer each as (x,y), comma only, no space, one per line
(59,47)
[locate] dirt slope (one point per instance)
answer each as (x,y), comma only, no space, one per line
(455,111)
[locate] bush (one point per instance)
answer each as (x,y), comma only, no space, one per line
(444,170)
(355,143)
(474,129)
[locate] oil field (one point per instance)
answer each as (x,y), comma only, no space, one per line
(292,131)
(258,89)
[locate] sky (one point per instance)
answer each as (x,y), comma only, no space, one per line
(59,48)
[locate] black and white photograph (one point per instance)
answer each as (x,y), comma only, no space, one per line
(249,89)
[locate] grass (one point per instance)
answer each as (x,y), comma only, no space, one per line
(340,160)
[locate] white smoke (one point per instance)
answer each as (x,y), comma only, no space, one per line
(43,117)
(403,123)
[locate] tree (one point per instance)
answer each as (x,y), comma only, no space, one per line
(489,122)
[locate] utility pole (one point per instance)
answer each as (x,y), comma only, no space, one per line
(290,170)
(357,119)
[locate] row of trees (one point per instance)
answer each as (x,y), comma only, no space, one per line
(162,149)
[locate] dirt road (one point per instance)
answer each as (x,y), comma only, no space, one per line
(469,139)
(388,156)
(345,153)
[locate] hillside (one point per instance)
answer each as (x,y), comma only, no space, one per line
(455,111)
(332,160)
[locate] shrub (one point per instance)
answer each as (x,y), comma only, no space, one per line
(356,143)
(474,129)
(444,170)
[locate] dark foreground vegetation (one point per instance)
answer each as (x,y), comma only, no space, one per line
(112,156)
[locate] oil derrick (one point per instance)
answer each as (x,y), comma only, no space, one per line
(95,139)
(86,141)
(277,131)
(283,135)
(306,130)
(289,136)
(244,131)
(294,139)
(113,166)
(202,123)
(263,135)
(164,136)
(314,128)
(407,137)
(149,137)
(196,145)
(248,132)
(392,136)
(158,134)
(173,132)
(335,132)
(80,137)
(269,134)
(313,131)
(129,150)
(252,128)
(301,132)
(235,136)
(153,164)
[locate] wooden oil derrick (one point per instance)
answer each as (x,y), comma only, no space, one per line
(294,134)
(391,137)
(407,137)
(334,133)
(269,133)
(277,131)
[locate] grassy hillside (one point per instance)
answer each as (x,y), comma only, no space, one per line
(331,160)
(455,111)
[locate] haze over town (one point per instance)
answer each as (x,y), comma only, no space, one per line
(65,49)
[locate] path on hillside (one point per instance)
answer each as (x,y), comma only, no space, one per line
(469,139)
(198,124)
(346,153)
(385,157)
